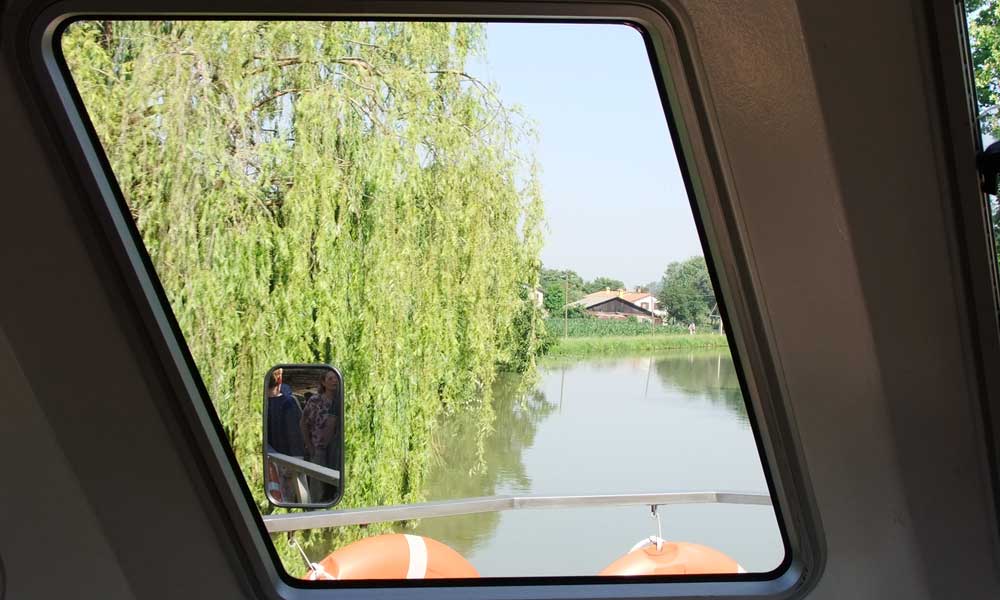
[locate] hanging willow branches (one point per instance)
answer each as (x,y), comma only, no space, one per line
(326,192)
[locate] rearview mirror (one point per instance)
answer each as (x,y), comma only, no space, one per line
(303,436)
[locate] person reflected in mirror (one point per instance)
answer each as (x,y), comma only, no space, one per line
(319,429)
(284,435)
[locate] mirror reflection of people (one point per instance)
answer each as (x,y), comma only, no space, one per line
(319,427)
(284,434)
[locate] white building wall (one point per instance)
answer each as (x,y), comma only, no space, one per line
(649,303)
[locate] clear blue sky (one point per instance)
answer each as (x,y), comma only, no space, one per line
(614,199)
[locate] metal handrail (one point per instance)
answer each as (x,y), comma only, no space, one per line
(486,504)
(319,472)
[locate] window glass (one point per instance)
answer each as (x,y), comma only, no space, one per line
(984,38)
(484,228)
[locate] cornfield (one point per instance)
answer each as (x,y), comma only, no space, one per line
(594,327)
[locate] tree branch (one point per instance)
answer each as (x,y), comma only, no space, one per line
(358,107)
(359,43)
(288,61)
(500,107)
(275,96)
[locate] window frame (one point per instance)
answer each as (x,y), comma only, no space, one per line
(688,111)
(974,253)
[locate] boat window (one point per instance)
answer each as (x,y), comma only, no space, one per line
(984,37)
(982,58)
(485,228)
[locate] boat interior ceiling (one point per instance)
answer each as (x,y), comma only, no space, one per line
(864,281)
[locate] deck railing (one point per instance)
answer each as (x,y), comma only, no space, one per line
(486,504)
(311,469)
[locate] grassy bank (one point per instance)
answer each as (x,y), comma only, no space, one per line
(590,346)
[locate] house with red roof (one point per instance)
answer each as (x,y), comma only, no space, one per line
(620,304)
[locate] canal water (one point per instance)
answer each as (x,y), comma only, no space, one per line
(664,423)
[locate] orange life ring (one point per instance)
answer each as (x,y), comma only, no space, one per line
(393,556)
(672,558)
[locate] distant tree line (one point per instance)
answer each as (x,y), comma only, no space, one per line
(684,291)
(562,286)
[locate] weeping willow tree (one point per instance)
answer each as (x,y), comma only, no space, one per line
(339,192)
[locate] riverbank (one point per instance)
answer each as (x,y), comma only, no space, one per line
(591,346)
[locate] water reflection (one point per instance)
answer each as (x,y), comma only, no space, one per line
(458,474)
(708,375)
(672,422)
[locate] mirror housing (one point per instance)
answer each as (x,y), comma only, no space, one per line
(303,441)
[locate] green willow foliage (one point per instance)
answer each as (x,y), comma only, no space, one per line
(337,192)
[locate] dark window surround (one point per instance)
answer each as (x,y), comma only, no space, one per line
(35,41)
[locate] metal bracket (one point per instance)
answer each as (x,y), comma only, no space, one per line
(654,512)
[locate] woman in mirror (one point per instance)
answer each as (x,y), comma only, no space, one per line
(319,428)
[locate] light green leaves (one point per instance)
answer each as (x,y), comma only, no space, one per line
(326,192)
